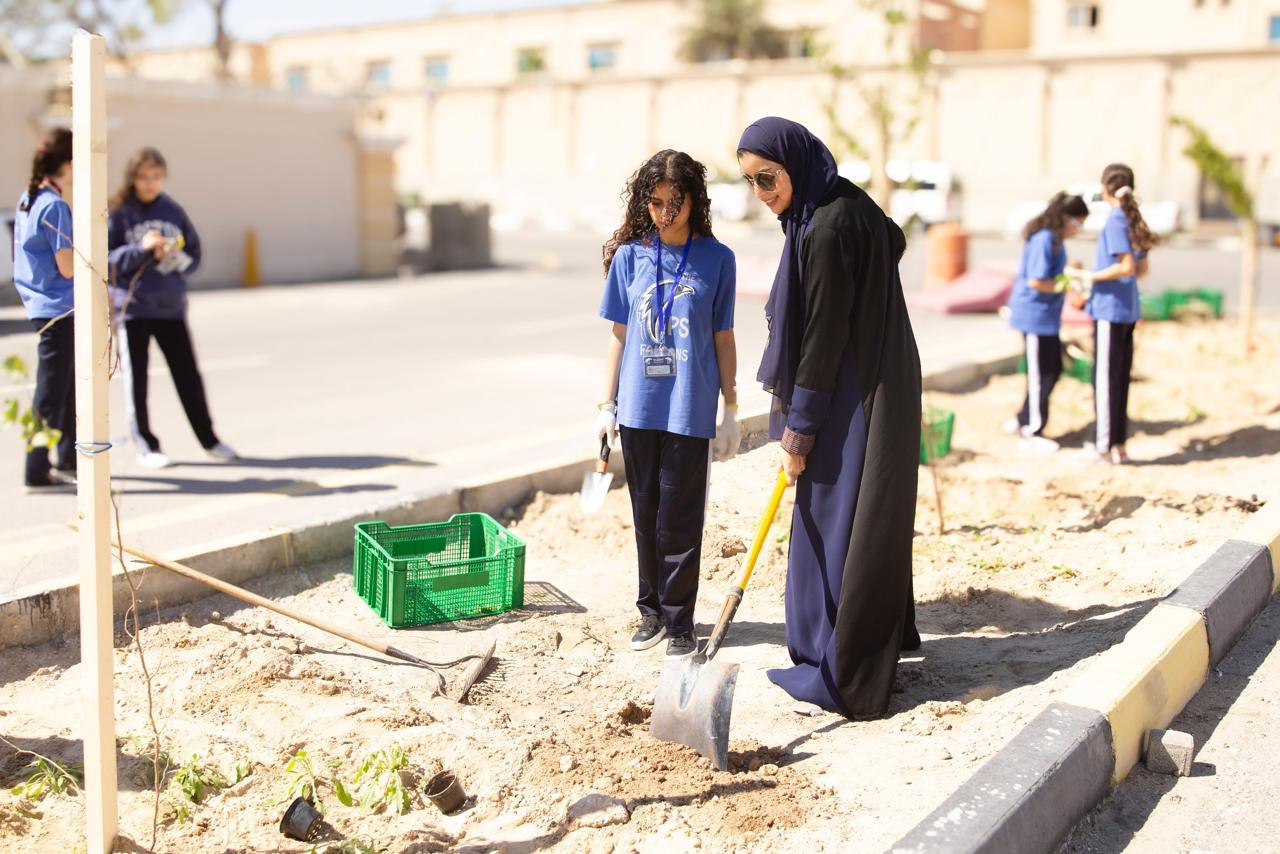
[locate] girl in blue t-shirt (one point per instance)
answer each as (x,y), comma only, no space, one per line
(1035,310)
(669,293)
(1123,245)
(42,272)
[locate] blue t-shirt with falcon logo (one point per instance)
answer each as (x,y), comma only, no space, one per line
(703,305)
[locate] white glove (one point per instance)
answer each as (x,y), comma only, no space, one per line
(1085,277)
(607,424)
(728,435)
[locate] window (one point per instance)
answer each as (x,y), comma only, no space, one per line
(436,70)
(377,75)
(530,61)
(295,79)
(602,56)
(1273,32)
(1082,16)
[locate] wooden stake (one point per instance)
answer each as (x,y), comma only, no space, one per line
(89,212)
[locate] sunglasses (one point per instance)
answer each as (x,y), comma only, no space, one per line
(765,179)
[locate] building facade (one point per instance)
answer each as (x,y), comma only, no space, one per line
(544,113)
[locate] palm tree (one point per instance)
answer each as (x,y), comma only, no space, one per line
(732,29)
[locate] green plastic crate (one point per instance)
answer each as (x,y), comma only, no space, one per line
(1156,306)
(412,575)
(935,434)
(1209,297)
(1080,368)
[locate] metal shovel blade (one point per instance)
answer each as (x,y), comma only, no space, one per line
(595,486)
(692,706)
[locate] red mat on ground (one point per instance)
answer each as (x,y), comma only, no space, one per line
(975,291)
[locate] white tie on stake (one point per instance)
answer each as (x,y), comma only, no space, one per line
(92,358)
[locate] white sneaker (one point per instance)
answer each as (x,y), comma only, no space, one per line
(154,460)
(1038,444)
(1012,427)
(1090,455)
(222,451)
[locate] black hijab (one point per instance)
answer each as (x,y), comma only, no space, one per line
(813,174)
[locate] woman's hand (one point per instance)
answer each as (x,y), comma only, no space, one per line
(793,465)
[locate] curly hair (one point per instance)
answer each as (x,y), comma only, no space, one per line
(688,178)
(1115,178)
(53,153)
(145,156)
(1054,216)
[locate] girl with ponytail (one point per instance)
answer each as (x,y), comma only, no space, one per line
(1123,245)
(42,271)
(1035,310)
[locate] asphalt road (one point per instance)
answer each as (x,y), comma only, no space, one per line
(339,395)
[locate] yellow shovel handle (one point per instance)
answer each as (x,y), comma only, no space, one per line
(779,487)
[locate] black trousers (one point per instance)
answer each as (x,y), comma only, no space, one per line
(667,478)
(1112,365)
(55,396)
(1044,368)
(175,343)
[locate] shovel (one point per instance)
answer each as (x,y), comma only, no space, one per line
(595,485)
(695,694)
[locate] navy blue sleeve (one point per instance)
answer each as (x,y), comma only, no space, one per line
(125,258)
(192,241)
(828,292)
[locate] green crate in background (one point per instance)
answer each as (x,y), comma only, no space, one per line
(936,427)
(1080,368)
(1156,306)
(1211,298)
(412,575)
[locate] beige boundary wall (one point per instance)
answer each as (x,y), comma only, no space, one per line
(288,167)
(1013,128)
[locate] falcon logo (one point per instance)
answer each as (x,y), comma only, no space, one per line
(649,312)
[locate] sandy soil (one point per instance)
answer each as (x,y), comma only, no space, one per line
(1044,563)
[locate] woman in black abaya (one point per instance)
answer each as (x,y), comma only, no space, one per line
(842,364)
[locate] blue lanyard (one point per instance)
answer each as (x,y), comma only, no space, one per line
(665,306)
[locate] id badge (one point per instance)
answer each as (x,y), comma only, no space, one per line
(662,364)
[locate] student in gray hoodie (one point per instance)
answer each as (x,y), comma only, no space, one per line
(153,247)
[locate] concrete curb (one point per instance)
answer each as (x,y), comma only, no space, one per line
(1031,794)
(33,616)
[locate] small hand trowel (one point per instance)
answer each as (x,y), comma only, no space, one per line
(595,485)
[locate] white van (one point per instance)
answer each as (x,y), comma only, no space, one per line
(921,188)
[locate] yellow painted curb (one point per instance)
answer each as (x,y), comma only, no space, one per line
(1263,528)
(1144,681)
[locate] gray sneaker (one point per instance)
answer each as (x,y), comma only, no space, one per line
(650,632)
(682,646)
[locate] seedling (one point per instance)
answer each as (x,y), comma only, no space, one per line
(190,781)
(305,783)
(364,845)
(988,564)
(1064,571)
(46,777)
(379,782)
(35,433)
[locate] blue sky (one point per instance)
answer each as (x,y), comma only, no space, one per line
(253,20)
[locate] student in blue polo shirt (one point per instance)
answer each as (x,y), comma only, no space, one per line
(1113,304)
(669,293)
(1035,310)
(42,271)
